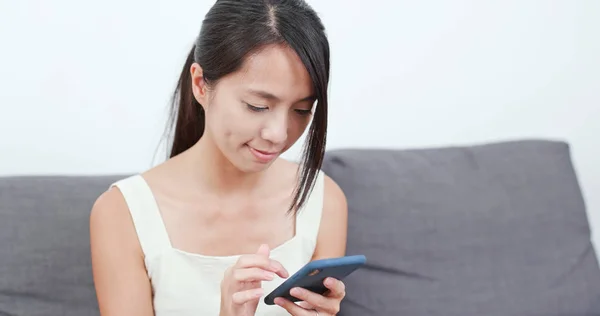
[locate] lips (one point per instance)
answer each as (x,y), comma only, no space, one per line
(263,156)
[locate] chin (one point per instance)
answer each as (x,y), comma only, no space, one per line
(253,166)
(247,164)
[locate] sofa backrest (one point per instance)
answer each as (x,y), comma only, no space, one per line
(495,229)
(45,266)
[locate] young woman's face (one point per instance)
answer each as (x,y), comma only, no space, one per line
(260,111)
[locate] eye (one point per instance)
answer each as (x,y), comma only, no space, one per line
(256,108)
(303,112)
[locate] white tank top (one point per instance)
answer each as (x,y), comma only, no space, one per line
(186,283)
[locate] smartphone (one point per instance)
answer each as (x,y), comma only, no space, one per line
(314,273)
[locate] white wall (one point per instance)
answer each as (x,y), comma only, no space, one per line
(75,76)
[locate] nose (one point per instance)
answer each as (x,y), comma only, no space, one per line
(276,129)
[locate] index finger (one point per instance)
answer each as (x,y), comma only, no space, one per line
(254,260)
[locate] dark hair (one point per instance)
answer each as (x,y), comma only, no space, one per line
(234,29)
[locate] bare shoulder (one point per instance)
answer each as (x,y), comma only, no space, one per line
(111,213)
(334,198)
(107,202)
(331,240)
(120,278)
(111,226)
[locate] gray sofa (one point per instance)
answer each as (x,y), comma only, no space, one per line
(494,229)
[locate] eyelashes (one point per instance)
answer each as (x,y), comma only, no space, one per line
(303,112)
(262,109)
(255,108)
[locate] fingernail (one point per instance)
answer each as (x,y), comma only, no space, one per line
(279,301)
(329,281)
(270,275)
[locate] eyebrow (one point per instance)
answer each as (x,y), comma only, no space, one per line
(272,97)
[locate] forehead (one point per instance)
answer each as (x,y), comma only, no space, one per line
(275,69)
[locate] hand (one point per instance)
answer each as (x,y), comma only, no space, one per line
(241,285)
(314,304)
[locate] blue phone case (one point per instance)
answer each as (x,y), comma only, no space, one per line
(312,275)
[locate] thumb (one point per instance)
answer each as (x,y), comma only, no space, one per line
(264,250)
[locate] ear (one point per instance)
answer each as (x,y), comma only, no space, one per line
(199,87)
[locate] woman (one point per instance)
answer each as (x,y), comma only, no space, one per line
(225,220)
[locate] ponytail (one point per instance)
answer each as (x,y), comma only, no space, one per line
(187,115)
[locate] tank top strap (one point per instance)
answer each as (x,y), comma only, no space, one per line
(145,214)
(309,216)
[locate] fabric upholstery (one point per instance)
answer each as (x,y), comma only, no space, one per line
(45,266)
(495,229)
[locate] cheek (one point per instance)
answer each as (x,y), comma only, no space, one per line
(297,126)
(235,126)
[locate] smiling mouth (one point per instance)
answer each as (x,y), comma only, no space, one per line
(263,156)
(265,152)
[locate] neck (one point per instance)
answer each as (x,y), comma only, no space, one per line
(209,167)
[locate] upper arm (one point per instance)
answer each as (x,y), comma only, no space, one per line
(331,239)
(120,278)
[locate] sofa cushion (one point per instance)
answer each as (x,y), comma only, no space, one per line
(493,229)
(45,264)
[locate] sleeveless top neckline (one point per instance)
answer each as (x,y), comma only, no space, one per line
(186,283)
